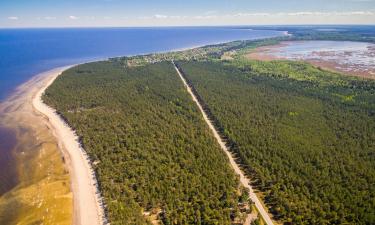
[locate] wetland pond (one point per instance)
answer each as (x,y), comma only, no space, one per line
(353,58)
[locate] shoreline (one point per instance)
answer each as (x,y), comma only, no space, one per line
(43,191)
(83,181)
(87,203)
(24,108)
(266,53)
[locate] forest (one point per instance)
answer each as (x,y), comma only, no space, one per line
(365,33)
(305,136)
(154,156)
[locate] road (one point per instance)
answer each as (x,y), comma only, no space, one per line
(243,179)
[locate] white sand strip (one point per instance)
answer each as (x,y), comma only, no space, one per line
(88,208)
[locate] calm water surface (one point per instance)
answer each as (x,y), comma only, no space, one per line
(348,55)
(27,52)
(8,176)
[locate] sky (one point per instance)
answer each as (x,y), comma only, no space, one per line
(139,13)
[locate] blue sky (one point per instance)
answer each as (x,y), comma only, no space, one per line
(76,13)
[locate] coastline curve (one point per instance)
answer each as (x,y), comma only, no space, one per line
(88,204)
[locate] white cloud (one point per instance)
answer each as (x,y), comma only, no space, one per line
(73,17)
(249,14)
(358,13)
(13,18)
(305,14)
(211,12)
(159,16)
(352,13)
(296,17)
(205,17)
(144,17)
(256,15)
(49,18)
(299,14)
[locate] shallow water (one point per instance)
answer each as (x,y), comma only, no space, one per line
(27,52)
(8,174)
(347,56)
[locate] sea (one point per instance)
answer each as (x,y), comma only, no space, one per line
(25,53)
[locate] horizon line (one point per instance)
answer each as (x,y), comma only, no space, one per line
(185,26)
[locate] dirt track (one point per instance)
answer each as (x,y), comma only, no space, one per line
(243,179)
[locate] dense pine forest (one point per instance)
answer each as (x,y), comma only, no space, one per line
(154,156)
(305,136)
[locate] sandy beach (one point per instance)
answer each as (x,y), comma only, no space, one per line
(43,192)
(56,182)
(88,208)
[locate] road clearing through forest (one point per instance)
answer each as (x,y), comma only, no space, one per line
(243,179)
